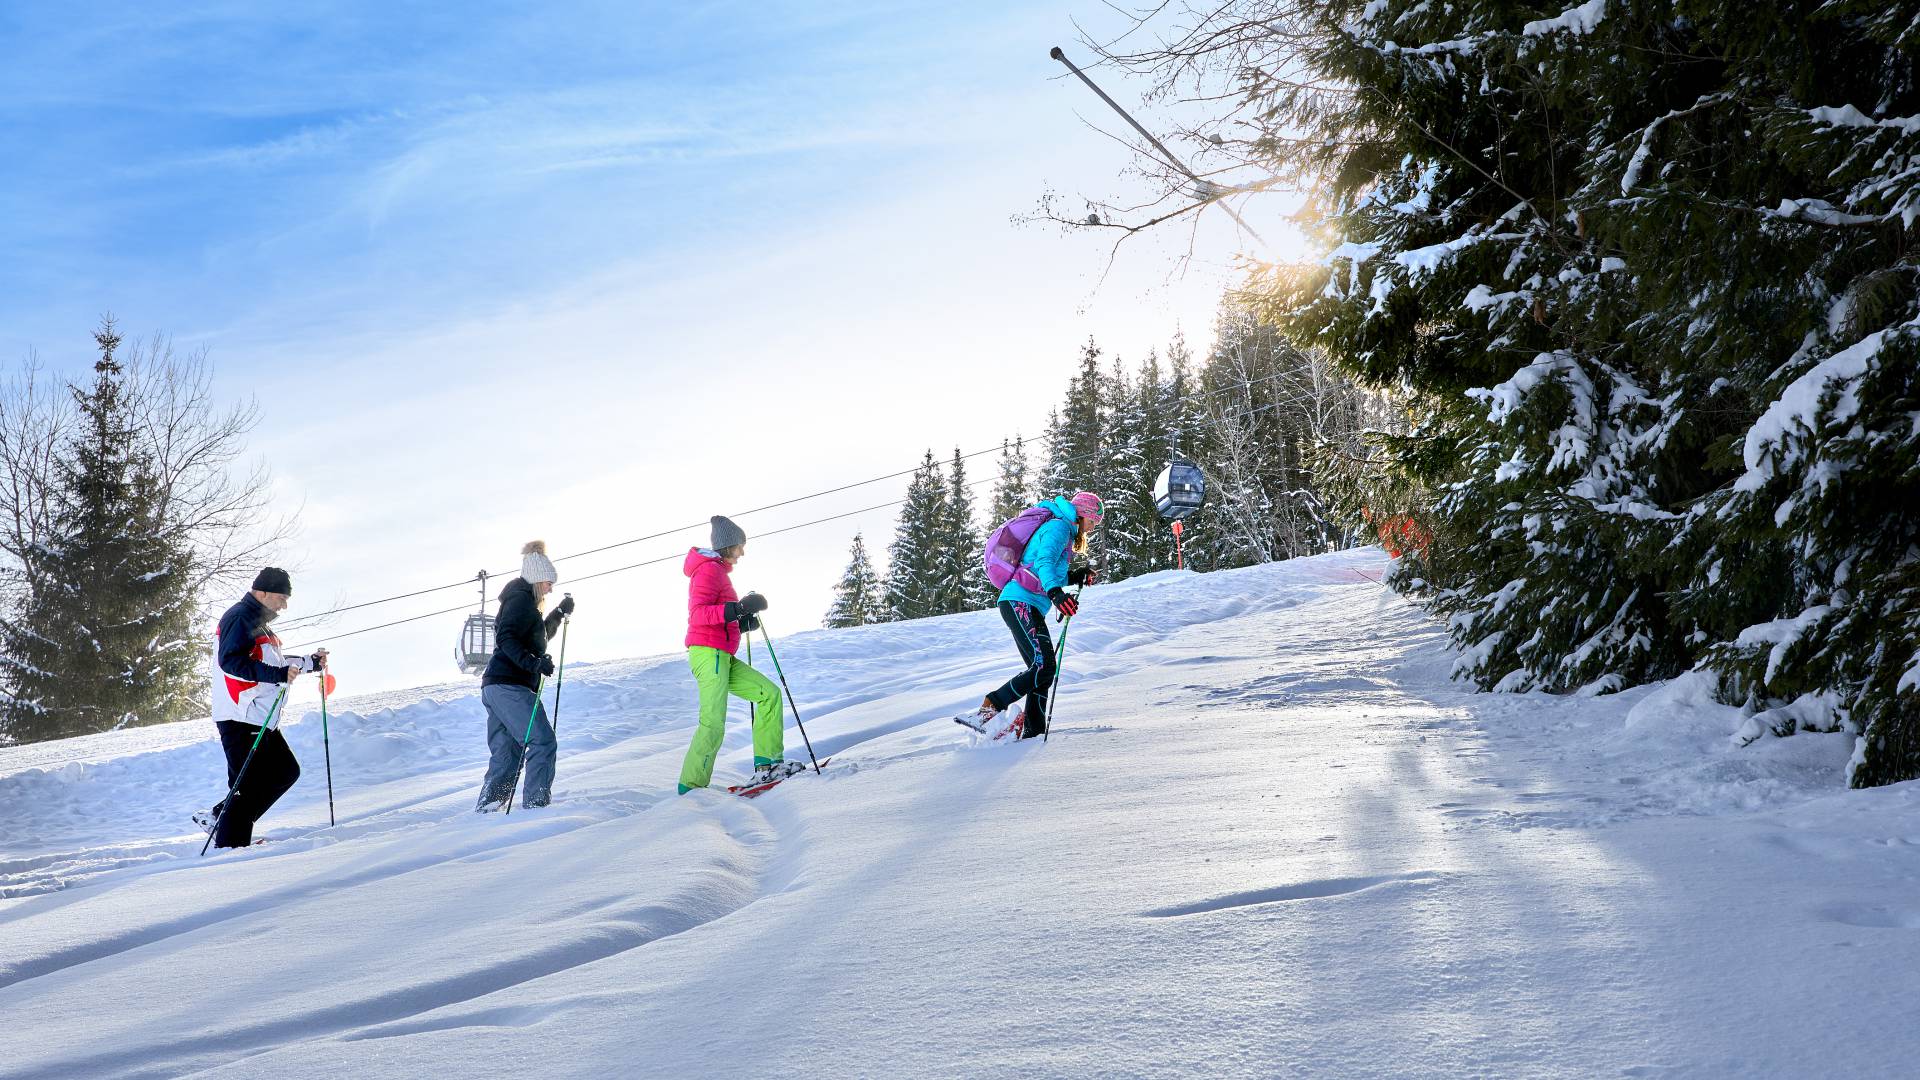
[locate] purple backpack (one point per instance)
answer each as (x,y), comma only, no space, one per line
(1007,547)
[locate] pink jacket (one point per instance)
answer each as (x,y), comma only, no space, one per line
(708,592)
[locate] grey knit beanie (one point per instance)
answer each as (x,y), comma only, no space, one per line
(534,564)
(726,534)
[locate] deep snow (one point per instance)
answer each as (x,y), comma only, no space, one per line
(1268,838)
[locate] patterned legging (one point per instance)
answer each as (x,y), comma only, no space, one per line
(1030,635)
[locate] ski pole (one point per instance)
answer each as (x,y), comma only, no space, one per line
(783,685)
(526,742)
(1059,665)
(226,804)
(560,683)
(326,746)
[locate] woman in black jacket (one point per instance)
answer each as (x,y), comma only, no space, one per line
(510,687)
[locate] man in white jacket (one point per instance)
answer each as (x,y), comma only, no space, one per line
(249,673)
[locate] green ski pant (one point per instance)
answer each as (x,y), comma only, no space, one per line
(721,674)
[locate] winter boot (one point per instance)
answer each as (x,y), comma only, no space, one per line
(773,771)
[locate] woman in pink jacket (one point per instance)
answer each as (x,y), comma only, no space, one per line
(716,619)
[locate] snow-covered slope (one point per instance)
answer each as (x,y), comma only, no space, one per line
(1266,839)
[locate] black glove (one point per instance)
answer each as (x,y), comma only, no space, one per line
(1082,575)
(752,605)
(545,666)
(566,605)
(1068,605)
(317,662)
(749,623)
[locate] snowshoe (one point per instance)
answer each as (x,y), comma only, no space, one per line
(995,726)
(981,719)
(766,776)
(774,772)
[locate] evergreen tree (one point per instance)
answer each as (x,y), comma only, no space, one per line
(918,567)
(1075,443)
(860,597)
(964,584)
(1643,274)
(103,636)
(1127,541)
(1012,492)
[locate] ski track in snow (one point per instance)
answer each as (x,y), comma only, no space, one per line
(1267,837)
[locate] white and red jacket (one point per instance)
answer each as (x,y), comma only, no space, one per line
(248,669)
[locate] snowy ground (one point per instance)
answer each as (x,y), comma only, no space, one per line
(1267,839)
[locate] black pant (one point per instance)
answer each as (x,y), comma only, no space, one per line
(271,773)
(1029,626)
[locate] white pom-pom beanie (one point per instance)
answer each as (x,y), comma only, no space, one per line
(534,564)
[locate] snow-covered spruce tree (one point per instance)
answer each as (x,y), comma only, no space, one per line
(1076,441)
(1138,541)
(1805,156)
(1118,550)
(1641,272)
(103,637)
(860,598)
(917,562)
(963,580)
(1012,491)
(1463,175)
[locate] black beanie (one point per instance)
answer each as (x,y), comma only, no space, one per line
(273,579)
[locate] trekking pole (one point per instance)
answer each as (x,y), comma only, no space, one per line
(226,804)
(560,683)
(526,742)
(783,685)
(1059,665)
(326,746)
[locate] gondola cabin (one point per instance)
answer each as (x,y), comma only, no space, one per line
(474,649)
(1181,489)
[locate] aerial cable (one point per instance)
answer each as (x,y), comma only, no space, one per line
(307,621)
(621,569)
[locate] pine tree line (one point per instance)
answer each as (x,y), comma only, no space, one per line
(1646,275)
(1257,414)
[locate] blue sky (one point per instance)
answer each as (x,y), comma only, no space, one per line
(579,271)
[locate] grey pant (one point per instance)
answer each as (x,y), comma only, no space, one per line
(507,710)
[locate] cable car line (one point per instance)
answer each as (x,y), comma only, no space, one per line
(615,570)
(308,621)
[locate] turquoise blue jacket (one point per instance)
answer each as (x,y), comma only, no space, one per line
(1047,555)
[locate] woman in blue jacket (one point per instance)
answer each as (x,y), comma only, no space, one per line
(1048,555)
